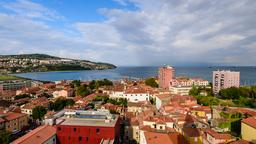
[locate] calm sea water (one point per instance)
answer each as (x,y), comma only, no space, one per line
(248,74)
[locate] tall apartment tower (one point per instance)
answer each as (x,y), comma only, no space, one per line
(225,79)
(165,76)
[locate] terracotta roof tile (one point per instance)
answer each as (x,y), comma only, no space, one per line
(13,115)
(38,135)
(241,142)
(157,138)
(250,121)
(218,135)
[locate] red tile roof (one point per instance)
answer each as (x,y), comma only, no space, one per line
(2,120)
(201,108)
(38,135)
(241,142)
(219,135)
(250,121)
(157,138)
(248,111)
(163,96)
(12,115)
(136,90)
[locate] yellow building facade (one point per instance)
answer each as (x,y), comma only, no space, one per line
(248,129)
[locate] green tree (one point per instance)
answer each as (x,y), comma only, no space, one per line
(69,102)
(60,103)
(151,82)
(21,96)
(83,91)
(76,83)
(194,91)
(152,100)
(207,100)
(107,82)
(38,112)
(113,111)
(104,99)
(93,85)
(4,137)
(230,93)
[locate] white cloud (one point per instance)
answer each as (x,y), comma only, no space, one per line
(29,9)
(121,2)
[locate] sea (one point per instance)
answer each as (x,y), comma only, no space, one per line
(247,73)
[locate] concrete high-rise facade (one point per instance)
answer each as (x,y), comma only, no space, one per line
(165,76)
(225,79)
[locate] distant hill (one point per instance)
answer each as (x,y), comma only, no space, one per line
(31,56)
(43,62)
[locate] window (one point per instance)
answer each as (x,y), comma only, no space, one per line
(74,129)
(87,138)
(80,138)
(161,127)
(59,129)
(97,130)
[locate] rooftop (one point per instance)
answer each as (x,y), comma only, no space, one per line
(38,135)
(157,138)
(251,121)
(219,135)
(88,118)
(241,142)
(11,115)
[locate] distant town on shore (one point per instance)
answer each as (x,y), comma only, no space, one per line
(155,110)
(42,63)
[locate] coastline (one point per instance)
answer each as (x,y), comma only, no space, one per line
(248,74)
(60,71)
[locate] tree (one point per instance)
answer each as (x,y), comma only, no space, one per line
(107,82)
(104,99)
(194,91)
(76,83)
(47,95)
(4,137)
(152,100)
(69,102)
(151,82)
(207,100)
(230,93)
(60,103)
(92,84)
(96,84)
(21,96)
(38,112)
(83,91)
(113,111)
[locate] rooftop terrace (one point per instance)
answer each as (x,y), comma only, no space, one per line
(87,118)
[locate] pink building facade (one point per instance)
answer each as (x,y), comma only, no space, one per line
(165,76)
(189,82)
(225,79)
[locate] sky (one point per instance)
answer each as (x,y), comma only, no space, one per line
(133,32)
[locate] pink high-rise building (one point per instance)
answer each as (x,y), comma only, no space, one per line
(165,76)
(225,79)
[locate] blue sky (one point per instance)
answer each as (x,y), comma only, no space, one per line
(132,32)
(82,10)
